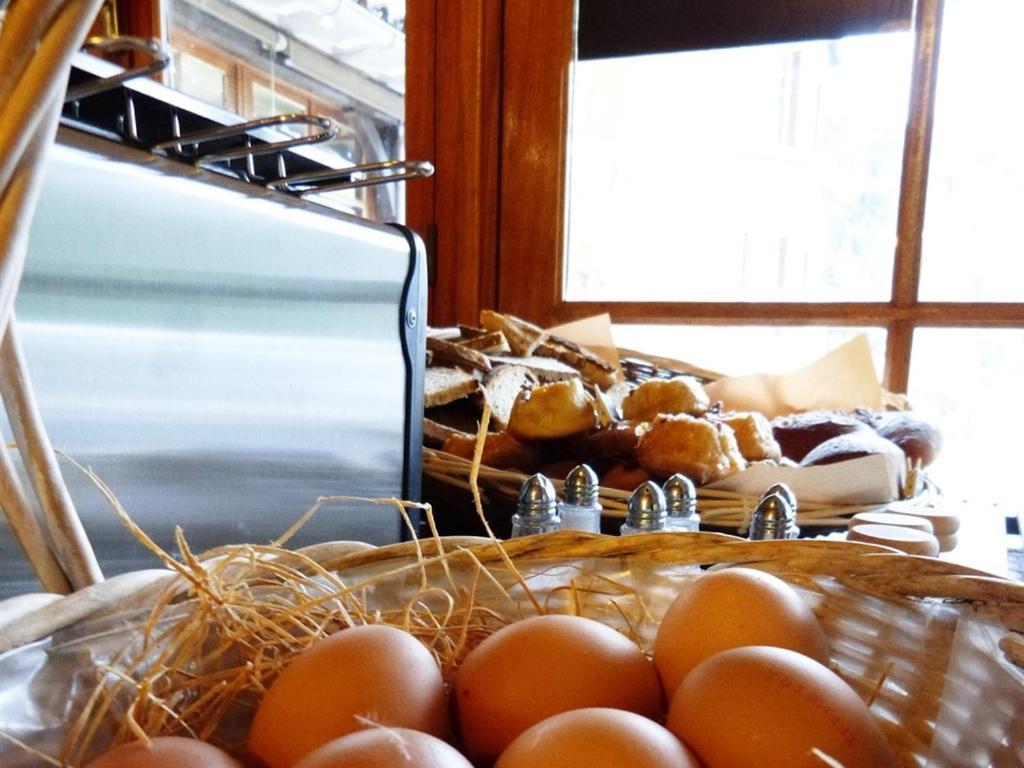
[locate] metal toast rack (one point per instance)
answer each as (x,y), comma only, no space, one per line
(252,151)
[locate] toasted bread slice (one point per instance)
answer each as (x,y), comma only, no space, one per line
(546,369)
(448,353)
(592,368)
(523,337)
(502,386)
(492,342)
(444,384)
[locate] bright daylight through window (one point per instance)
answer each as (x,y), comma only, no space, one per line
(772,173)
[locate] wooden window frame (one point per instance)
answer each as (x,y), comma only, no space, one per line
(518,265)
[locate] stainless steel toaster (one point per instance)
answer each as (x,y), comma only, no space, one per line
(219,354)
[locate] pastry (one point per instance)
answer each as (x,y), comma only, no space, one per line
(798,433)
(701,450)
(753,436)
(552,411)
(682,394)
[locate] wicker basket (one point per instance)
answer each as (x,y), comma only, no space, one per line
(926,642)
(721,510)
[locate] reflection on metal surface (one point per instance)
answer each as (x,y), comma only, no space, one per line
(177,145)
(335,180)
(220,356)
(97,45)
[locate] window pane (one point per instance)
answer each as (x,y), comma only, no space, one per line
(744,174)
(201,79)
(739,350)
(969,382)
(974,221)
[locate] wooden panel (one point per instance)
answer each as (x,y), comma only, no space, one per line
(454,120)
(420,75)
(537,60)
(139,17)
(468,129)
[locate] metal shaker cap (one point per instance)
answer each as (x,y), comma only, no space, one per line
(785,492)
(646,509)
(680,496)
(581,486)
(772,518)
(537,498)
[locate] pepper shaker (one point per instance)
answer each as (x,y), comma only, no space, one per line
(773,518)
(536,509)
(646,512)
(786,492)
(681,504)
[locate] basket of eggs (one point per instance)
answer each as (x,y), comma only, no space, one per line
(563,650)
(541,403)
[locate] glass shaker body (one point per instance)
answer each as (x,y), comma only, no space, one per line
(536,509)
(581,510)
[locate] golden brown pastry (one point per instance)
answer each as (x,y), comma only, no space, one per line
(730,449)
(624,477)
(701,450)
(753,436)
(501,451)
(552,411)
(683,394)
(616,442)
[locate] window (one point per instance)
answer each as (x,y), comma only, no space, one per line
(736,204)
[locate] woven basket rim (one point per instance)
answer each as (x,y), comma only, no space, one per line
(870,569)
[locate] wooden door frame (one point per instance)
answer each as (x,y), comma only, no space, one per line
(453,118)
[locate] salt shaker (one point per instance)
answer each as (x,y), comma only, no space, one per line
(681,504)
(646,512)
(536,509)
(773,518)
(581,509)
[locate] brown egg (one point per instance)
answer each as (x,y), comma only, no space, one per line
(729,608)
(165,752)
(353,679)
(763,706)
(541,666)
(385,748)
(586,738)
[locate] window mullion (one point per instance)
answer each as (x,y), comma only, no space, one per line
(913,185)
